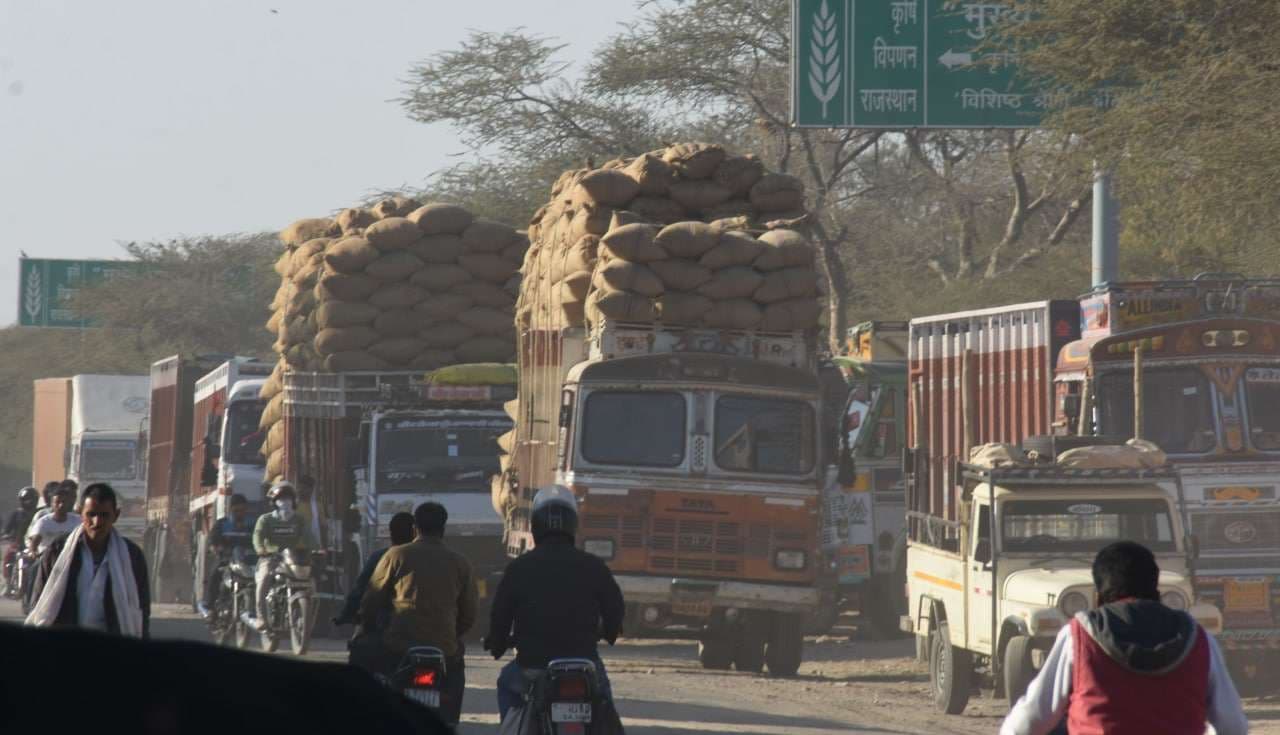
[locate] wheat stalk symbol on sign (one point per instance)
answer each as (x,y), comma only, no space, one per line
(33,295)
(824,57)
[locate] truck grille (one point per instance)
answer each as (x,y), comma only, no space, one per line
(1237,531)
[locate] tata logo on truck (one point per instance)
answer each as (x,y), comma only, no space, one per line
(1240,532)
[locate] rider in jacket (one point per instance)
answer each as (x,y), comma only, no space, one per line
(274,532)
(234,531)
(555,601)
(15,528)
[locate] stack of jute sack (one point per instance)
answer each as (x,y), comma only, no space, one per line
(399,285)
(685,236)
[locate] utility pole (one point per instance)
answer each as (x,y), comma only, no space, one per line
(1106,245)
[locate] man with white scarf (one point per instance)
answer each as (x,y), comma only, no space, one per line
(93,577)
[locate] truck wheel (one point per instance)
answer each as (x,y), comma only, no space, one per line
(1018,669)
(749,641)
(950,671)
(715,651)
(786,644)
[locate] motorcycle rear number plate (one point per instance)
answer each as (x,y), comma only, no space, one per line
(424,697)
(570,712)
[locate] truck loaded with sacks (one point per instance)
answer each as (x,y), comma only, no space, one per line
(395,329)
(667,377)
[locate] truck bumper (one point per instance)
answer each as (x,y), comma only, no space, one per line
(742,595)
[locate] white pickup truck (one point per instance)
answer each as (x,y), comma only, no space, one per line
(989,593)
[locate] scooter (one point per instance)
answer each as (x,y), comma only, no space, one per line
(235,597)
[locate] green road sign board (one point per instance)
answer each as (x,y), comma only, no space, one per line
(47,288)
(906,64)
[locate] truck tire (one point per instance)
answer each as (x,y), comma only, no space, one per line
(1018,669)
(950,672)
(786,644)
(715,651)
(750,637)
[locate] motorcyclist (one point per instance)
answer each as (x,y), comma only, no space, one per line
(15,528)
(46,499)
(44,529)
(556,600)
(401,530)
(233,531)
(280,529)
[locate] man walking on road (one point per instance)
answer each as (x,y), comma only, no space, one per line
(433,600)
(1130,665)
(93,577)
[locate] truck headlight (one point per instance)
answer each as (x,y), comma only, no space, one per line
(1174,599)
(601,547)
(1072,603)
(790,559)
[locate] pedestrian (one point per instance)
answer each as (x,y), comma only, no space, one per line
(1131,664)
(433,600)
(94,577)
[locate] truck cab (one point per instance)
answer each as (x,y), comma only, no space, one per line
(114,457)
(989,594)
(240,467)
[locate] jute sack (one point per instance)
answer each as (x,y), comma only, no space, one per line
(275,465)
(309,249)
(699,196)
(398,350)
(486,294)
(593,219)
(734,208)
(284,264)
(441,219)
(392,233)
(736,282)
(398,323)
(485,321)
(487,236)
(432,359)
(308,229)
(397,296)
(516,250)
(733,224)
(302,357)
(622,275)
(623,217)
(610,187)
(275,438)
(344,339)
(732,248)
(680,274)
(442,249)
(573,313)
(272,412)
(623,306)
(582,255)
(440,277)
(337,314)
(273,324)
(653,175)
(345,286)
(694,160)
(443,306)
(305,275)
(355,219)
(485,349)
(783,249)
(687,239)
(272,387)
(296,330)
(777,193)
(790,315)
(445,335)
(574,287)
(395,206)
(488,267)
(398,265)
(634,243)
(341,362)
(733,314)
(682,308)
(739,173)
(655,209)
(283,293)
(351,255)
(303,301)
(788,283)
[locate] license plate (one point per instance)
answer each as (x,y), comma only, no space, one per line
(570,712)
(482,586)
(1247,596)
(424,697)
(691,607)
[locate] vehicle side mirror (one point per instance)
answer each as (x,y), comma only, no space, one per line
(212,450)
(982,551)
(1193,546)
(1071,408)
(208,473)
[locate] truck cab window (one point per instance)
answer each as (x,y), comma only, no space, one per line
(1263,394)
(634,428)
(1177,409)
(982,539)
(764,435)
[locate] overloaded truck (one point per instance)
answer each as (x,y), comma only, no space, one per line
(104,417)
(999,546)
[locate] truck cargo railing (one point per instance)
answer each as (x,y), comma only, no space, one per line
(1059,475)
(337,395)
(934,530)
(612,339)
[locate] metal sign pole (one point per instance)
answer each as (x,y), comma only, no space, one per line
(1106,248)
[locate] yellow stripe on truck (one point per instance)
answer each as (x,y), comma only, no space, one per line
(939,581)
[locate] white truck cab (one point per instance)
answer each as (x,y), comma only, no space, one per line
(989,593)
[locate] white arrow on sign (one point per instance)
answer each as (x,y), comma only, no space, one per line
(952,59)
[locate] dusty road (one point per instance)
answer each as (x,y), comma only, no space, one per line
(844,688)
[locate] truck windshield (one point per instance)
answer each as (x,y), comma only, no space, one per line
(1085,525)
(447,454)
(1263,389)
(634,428)
(243,438)
(1177,409)
(109,460)
(767,435)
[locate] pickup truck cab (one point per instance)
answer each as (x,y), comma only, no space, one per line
(988,594)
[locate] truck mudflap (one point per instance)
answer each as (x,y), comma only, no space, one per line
(743,595)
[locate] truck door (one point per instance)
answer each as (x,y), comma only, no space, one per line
(981,579)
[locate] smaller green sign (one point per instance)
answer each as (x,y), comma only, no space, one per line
(47,288)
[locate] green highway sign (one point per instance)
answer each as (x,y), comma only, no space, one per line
(907,64)
(47,288)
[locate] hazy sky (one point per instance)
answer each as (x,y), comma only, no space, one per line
(141,120)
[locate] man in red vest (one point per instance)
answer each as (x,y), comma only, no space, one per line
(1130,665)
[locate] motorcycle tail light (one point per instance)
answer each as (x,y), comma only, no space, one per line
(571,687)
(426,678)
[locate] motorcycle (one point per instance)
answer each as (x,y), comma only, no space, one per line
(19,570)
(235,597)
(289,603)
(420,678)
(563,699)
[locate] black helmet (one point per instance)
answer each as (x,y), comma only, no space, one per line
(28,497)
(555,511)
(282,490)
